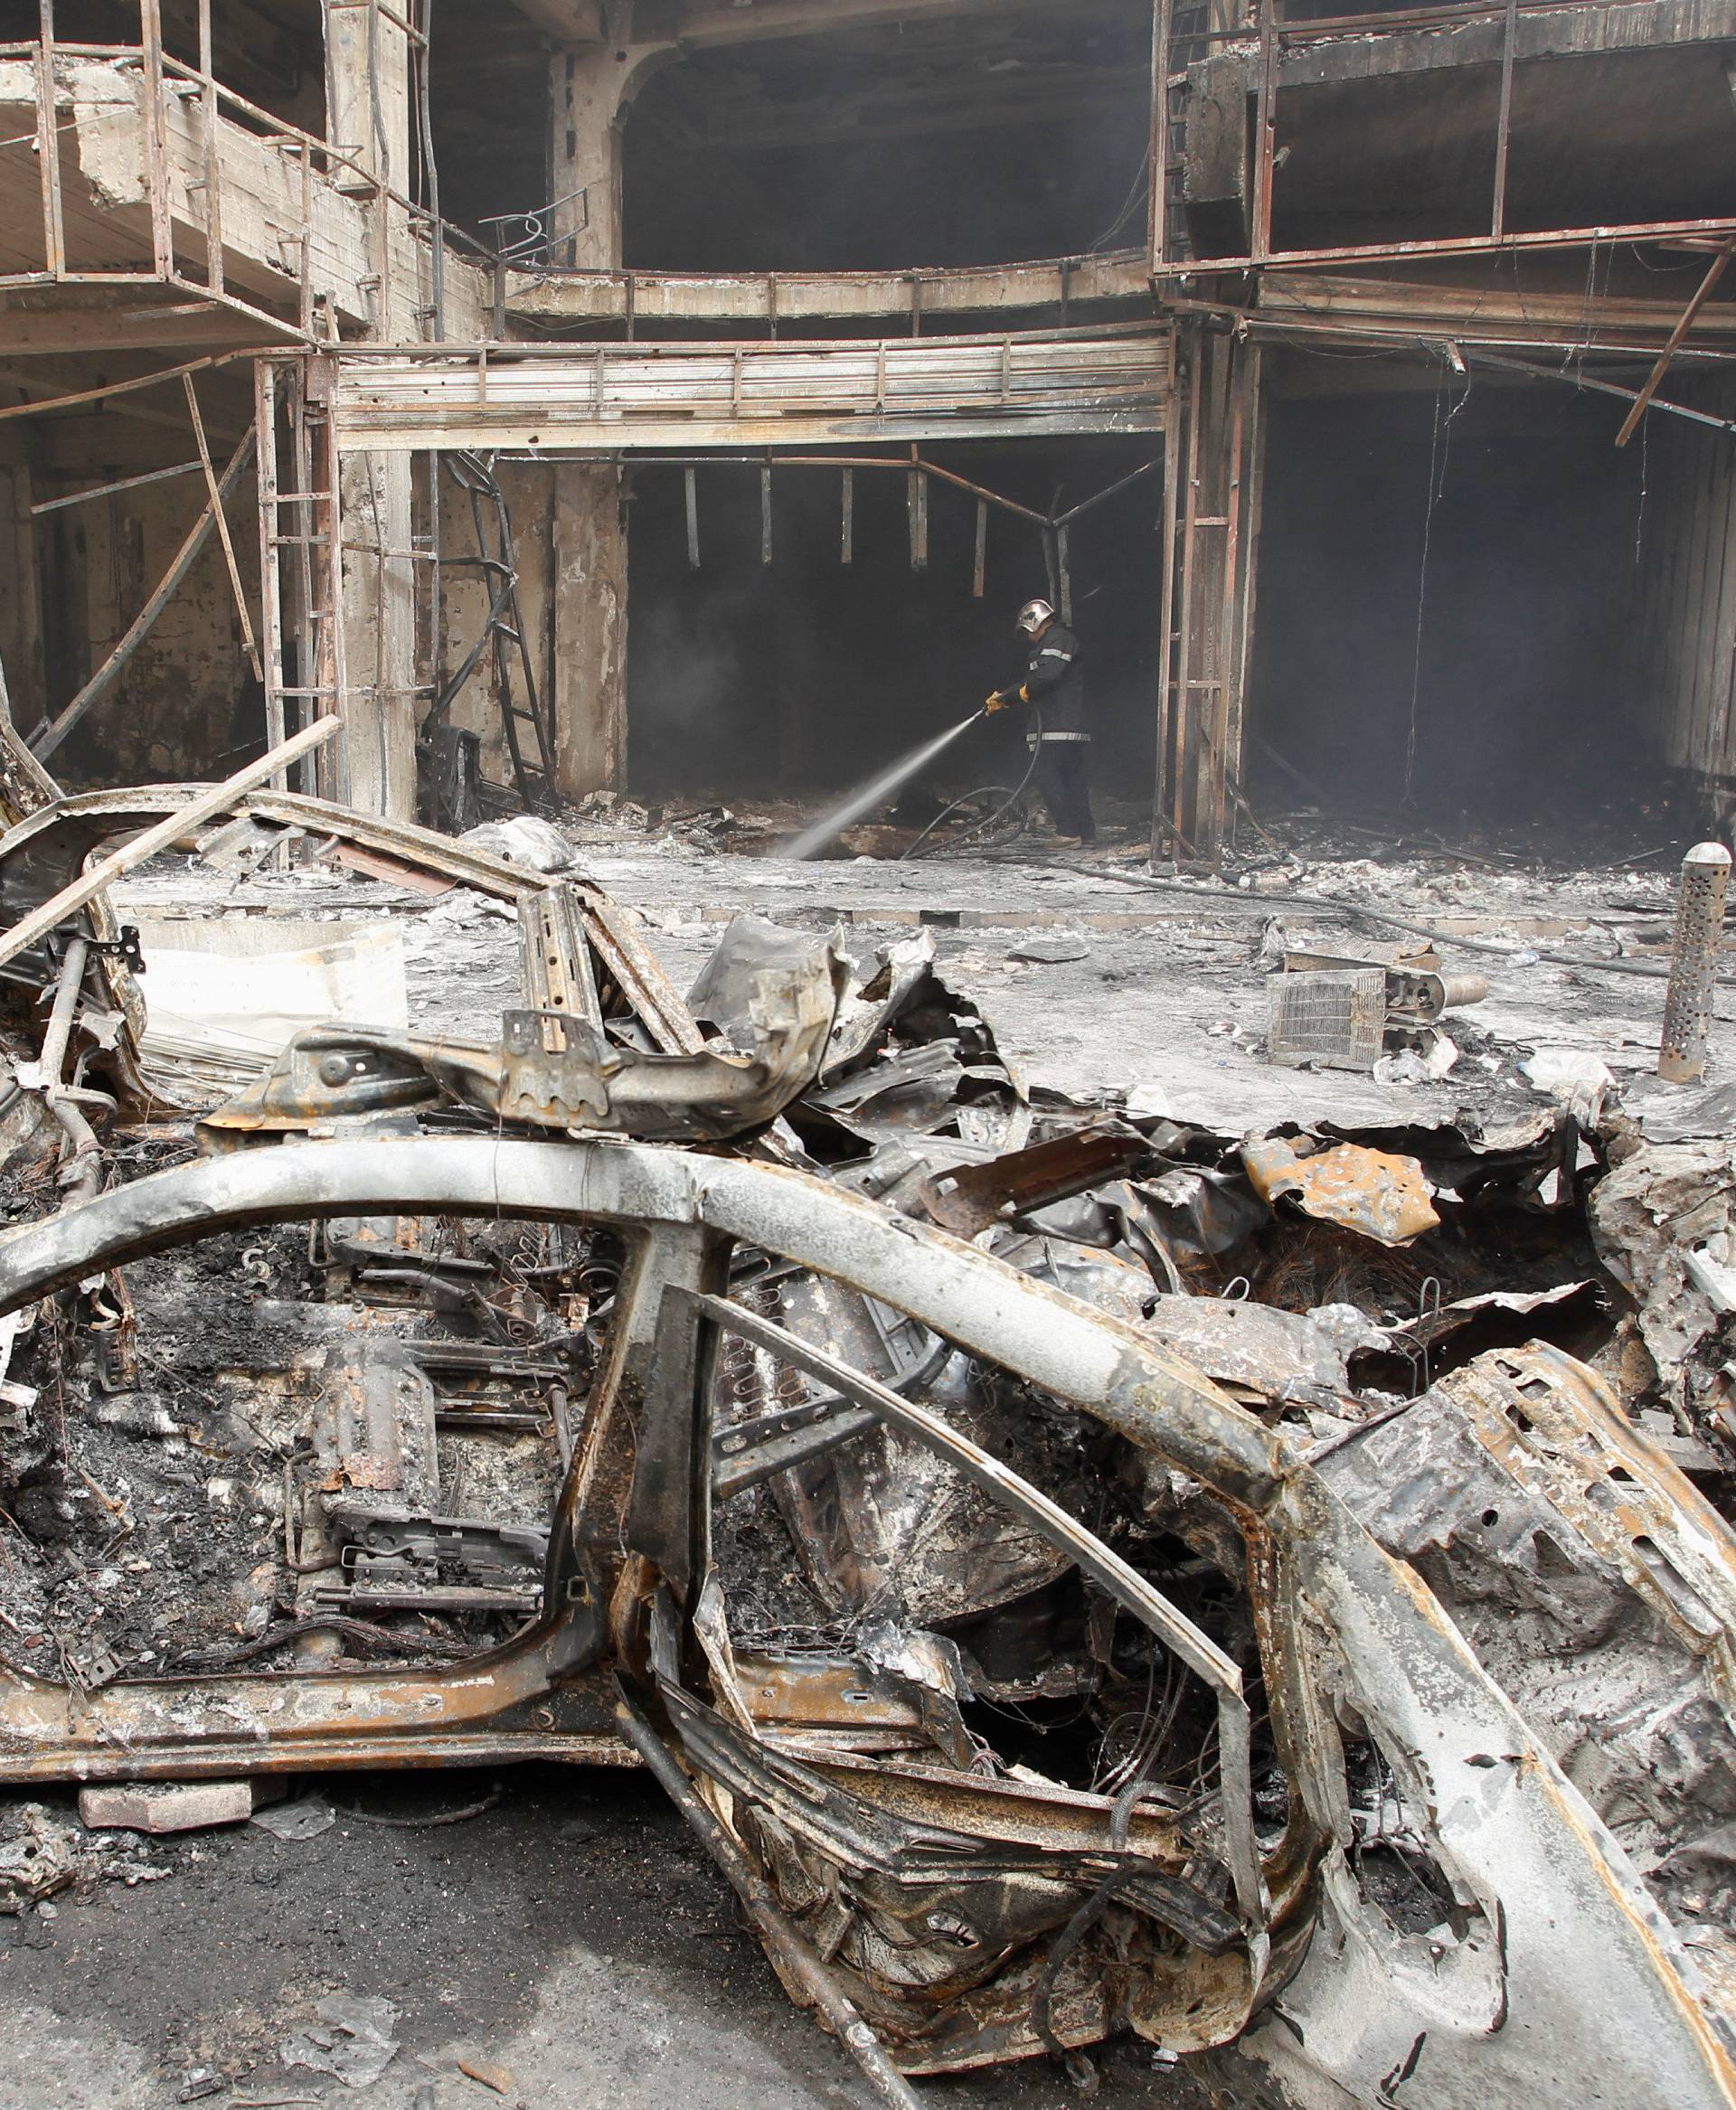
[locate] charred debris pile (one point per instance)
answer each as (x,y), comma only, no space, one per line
(1078,1572)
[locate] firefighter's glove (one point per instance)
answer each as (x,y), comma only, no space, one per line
(996,702)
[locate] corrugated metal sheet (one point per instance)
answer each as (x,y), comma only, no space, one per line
(1682,634)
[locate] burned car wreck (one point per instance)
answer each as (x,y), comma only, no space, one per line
(1077,1573)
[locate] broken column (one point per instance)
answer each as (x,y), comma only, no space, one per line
(368,67)
(590,90)
(1694,962)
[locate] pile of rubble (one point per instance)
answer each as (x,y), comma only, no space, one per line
(1077,1571)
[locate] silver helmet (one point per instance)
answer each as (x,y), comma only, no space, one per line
(1034,615)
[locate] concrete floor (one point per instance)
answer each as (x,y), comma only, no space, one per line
(574,1938)
(1171,993)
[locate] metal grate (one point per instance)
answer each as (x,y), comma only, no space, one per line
(1335,1017)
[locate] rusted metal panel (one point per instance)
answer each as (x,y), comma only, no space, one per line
(1383,1196)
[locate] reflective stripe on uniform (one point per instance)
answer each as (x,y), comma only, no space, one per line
(1053,652)
(1031,738)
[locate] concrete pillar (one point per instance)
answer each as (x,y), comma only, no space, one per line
(589,618)
(589,93)
(368,79)
(379,635)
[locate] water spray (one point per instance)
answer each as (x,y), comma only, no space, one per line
(816,837)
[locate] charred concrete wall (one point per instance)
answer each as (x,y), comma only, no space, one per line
(1443,573)
(72,580)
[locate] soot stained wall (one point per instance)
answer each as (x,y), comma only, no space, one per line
(970,198)
(967,141)
(806,674)
(1521,705)
(75,578)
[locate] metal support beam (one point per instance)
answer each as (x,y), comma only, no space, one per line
(614,399)
(1648,389)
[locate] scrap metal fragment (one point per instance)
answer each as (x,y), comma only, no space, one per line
(36,1858)
(552,1069)
(1277,1354)
(1596,1585)
(1381,1195)
(967,1198)
(1664,1224)
(1335,1017)
(351,2040)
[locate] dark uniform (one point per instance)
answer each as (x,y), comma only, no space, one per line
(1059,729)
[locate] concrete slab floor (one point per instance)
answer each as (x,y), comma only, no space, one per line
(1170,992)
(575,1937)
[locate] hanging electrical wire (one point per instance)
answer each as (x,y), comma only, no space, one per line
(1439,451)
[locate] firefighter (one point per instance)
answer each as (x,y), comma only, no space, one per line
(1055,689)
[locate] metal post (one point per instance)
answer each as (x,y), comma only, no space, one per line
(1226,703)
(437,578)
(1166,594)
(316,377)
(156,150)
(1186,684)
(1157,209)
(48,145)
(1253,472)
(1265,133)
(1694,964)
(213,202)
(1503,122)
(265,426)
(306,599)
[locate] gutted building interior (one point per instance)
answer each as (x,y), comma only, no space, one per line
(1376,315)
(1135,1432)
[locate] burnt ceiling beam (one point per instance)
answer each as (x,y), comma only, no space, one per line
(607,399)
(1408,310)
(703,25)
(921,109)
(799,296)
(566,21)
(1543,33)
